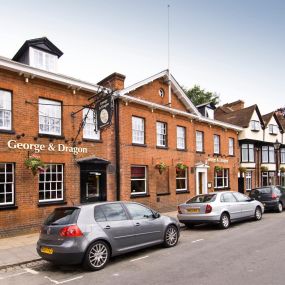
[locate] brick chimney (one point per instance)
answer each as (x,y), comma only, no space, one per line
(114,81)
(235,106)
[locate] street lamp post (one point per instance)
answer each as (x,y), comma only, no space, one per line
(276,146)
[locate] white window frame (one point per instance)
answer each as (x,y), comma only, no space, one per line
(140,179)
(5,183)
(43,60)
(49,112)
(249,152)
(199,141)
(89,127)
(223,177)
(44,182)
(248,180)
(161,134)
(181,137)
(273,129)
(282,155)
(267,154)
(5,110)
(183,178)
(138,130)
(231,146)
(255,125)
(217,144)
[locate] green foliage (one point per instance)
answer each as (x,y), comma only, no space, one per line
(181,166)
(35,164)
(200,96)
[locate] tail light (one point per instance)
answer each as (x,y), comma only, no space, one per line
(179,210)
(274,196)
(71,231)
(208,209)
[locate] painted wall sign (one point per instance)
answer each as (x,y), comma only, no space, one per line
(51,147)
(219,160)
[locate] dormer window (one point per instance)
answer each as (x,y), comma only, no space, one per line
(255,125)
(209,112)
(43,60)
(273,129)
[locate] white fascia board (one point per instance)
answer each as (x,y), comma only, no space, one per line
(46,75)
(178,112)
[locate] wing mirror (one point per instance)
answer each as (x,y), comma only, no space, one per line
(156,215)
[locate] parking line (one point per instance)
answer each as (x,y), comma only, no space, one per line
(197,240)
(31,271)
(13,275)
(64,281)
(143,257)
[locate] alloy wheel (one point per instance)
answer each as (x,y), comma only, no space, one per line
(225,221)
(258,214)
(98,255)
(280,207)
(171,236)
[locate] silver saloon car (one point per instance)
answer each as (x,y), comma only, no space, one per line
(221,208)
(91,234)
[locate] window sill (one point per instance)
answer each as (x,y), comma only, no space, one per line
(11,132)
(60,137)
(273,134)
(8,207)
(92,140)
(231,155)
(200,152)
(133,196)
(52,203)
(256,131)
(182,192)
(161,147)
(222,189)
(181,149)
(162,194)
(140,145)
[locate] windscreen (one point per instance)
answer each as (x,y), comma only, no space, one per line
(62,216)
(203,198)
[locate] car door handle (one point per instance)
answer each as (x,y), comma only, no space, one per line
(137,224)
(107,227)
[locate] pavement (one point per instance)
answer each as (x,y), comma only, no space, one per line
(20,250)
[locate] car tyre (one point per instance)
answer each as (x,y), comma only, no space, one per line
(258,214)
(279,207)
(225,221)
(171,236)
(97,256)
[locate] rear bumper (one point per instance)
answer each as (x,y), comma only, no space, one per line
(198,219)
(270,205)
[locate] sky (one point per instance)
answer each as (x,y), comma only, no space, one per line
(233,48)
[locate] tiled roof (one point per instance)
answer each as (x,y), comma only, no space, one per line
(266,118)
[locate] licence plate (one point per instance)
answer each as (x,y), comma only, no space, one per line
(193,210)
(47,250)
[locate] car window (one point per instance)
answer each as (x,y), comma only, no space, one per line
(62,216)
(277,191)
(265,190)
(241,197)
(138,212)
(114,212)
(202,198)
(99,214)
(228,198)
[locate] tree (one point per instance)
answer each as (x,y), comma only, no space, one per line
(200,96)
(281,111)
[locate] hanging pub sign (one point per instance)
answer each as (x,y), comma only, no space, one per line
(103,112)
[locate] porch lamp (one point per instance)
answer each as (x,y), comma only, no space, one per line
(276,146)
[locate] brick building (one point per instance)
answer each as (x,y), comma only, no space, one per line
(155,126)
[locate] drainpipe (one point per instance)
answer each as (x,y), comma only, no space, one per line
(117,148)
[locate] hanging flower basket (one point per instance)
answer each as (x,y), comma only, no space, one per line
(242,169)
(180,167)
(161,166)
(263,168)
(35,164)
(282,169)
(218,168)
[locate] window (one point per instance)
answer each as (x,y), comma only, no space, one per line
(6,184)
(231,146)
(138,130)
(241,197)
(114,212)
(161,93)
(282,155)
(49,117)
(216,144)
(222,178)
(248,181)
(180,131)
(161,134)
(89,127)
(139,212)
(138,180)
(99,214)
(255,125)
(51,183)
(199,141)
(282,179)
(268,178)
(247,153)
(273,129)
(5,110)
(43,60)
(228,198)
(181,179)
(268,154)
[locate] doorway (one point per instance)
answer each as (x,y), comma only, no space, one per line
(201,179)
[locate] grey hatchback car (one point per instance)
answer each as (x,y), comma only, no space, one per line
(91,234)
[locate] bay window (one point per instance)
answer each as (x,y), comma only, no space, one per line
(268,154)
(247,153)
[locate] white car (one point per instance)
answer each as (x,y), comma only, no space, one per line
(220,208)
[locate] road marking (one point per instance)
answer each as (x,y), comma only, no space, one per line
(13,275)
(143,257)
(116,274)
(31,271)
(197,240)
(64,281)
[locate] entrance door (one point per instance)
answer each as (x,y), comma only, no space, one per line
(200,182)
(241,184)
(201,179)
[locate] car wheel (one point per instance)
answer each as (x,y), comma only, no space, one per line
(171,236)
(279,207)
(97,256)
(258,214)
(225,221)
